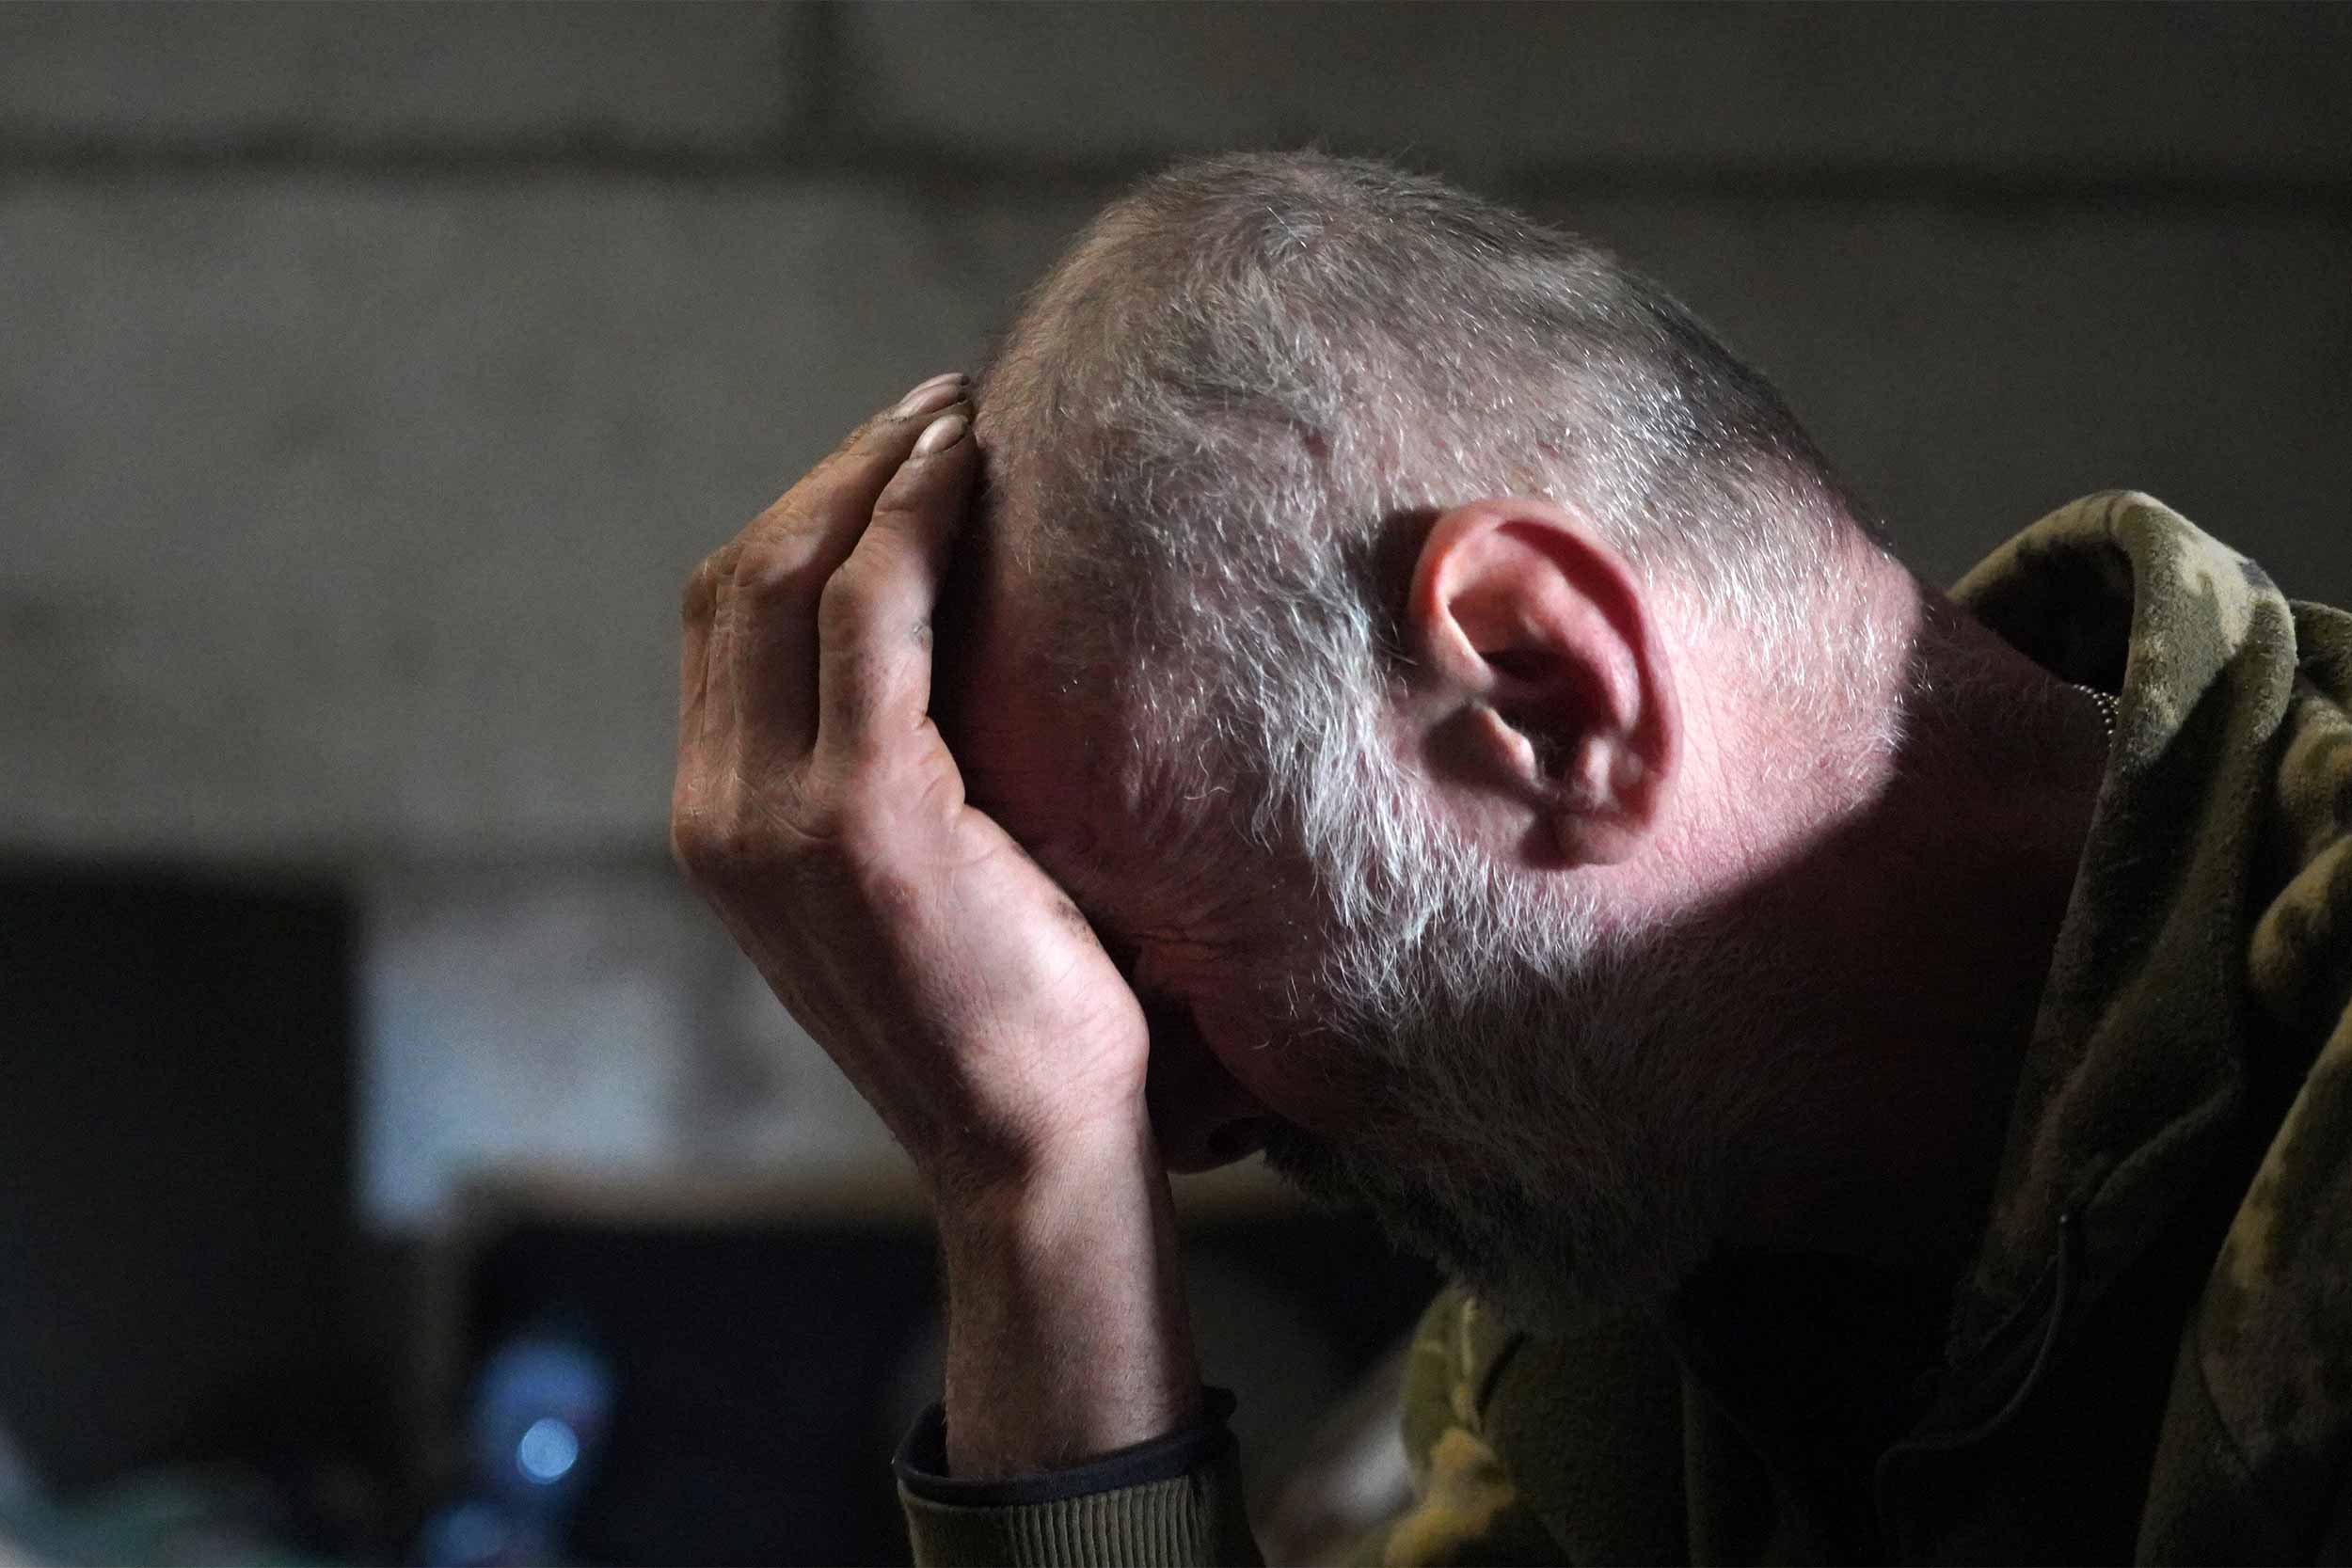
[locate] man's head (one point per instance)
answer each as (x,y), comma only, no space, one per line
(1374,586)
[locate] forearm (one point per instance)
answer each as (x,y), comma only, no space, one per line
(1067,1331)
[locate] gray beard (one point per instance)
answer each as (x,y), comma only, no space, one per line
(1556,1149)
(1522,1260)
(1530,1264)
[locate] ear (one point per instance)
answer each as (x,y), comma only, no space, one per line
(1553,692)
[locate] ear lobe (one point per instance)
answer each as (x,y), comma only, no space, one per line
(1554,686)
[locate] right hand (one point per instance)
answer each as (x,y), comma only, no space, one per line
(819,812)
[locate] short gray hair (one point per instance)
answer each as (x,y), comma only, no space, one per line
(1222,417)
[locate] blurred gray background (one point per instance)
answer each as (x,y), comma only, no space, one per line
(371,376)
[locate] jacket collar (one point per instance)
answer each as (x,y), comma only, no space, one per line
(2136,1077)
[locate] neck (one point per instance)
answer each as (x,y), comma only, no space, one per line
(1928,907)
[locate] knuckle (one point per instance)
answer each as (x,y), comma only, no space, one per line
(849,603)
(773,574)
(906,499)
(692,843)
(701,591)
(748,838)
(705,841)
(709,579)
(909,512)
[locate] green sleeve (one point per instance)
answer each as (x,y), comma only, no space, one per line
(1197,1517)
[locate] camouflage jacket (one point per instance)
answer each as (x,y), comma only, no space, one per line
(2151,1356)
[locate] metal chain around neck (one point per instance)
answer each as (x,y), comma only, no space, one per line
(2106,703)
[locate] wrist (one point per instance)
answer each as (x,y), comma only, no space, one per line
(1067,1334)
(1083,1178)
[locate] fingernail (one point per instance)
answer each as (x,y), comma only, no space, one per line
(940,434)
(938,392)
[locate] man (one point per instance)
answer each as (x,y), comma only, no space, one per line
(1409,699)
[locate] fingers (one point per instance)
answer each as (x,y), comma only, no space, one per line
(770,575)
(771,595)
(873,625)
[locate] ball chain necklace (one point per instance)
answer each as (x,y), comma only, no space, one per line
(2105,702)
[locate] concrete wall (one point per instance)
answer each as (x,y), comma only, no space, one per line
(373,375)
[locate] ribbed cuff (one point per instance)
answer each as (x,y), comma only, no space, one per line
(921,1463)
(1173,1499)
